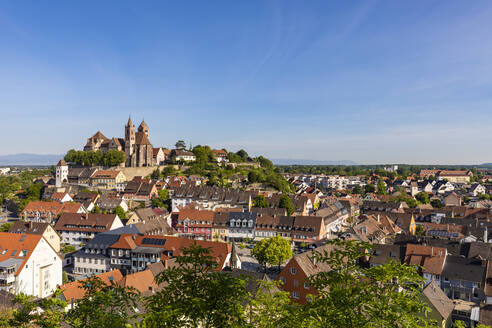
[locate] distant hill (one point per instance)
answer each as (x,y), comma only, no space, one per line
(280,161)
(29,159)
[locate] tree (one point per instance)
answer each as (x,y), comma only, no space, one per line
(273,251)
(120,212)
(180,144)
(381,188)
(268,307)
(368,188)
(353,296)
(358,190)
(243,154)
(5,227)
(419,230)
(422,197)
(103,305)
(436,203)
(26,313)
(286,202)
(260,201)
(194,294)
(113,158)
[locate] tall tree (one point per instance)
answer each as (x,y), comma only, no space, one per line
(260,201)
(352,296)
(194,294)
(286,202)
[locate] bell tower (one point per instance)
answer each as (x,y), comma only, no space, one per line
(129,140)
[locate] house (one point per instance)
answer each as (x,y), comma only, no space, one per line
(441,307)
(241,225)
(334,217)
(414,188)
(371,205)
(133,253)
(294,276)
(266,226)
(80,175)
(429,259)
(195,224)
(76,229)
(443,187)
(74,291)
(460,177)
(29,265)
(452,199)
(94,257)
(308,230)
(378,229)
(183,155)
(220,155)
(428,173)
(61,197)
(40,211)
(88,199)
(464,278)
(425,186)
(477,189)
(158,156)
(139,190)
(38,228)
(210,198)
(108,180)
(111,202)
(383,253)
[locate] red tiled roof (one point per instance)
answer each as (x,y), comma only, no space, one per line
(10,242)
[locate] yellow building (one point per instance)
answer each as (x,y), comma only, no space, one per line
(108,180)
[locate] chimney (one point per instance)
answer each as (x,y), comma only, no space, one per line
(432,251)
(87,216)
(379,218)
(485,235)
(30,224)
(166,264)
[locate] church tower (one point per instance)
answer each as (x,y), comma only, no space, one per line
(61,173)
(144,128)
(129,141)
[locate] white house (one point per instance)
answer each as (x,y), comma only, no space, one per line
(477,189)
(29,265)
(183,155)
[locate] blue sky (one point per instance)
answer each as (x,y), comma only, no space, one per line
(368,81)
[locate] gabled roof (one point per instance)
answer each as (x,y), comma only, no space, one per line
(35,228)
(439,300)
(85,222)
(105,174)
(430,258)
(141,139)
(74,291)
(17,248)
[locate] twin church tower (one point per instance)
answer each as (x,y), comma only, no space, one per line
(136,145)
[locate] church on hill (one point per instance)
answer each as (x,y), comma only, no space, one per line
(136,145)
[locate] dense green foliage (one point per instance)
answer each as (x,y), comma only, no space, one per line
(272,251)
(20,188)
(286,202)
(93,158)
(260,201)
(163,199)
(241,174)
(194,294)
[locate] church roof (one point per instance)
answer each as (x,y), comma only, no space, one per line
(130,123)
(99,135)
(62,163)
(143,126)
(141,139)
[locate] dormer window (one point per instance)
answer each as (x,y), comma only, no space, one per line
(250,223)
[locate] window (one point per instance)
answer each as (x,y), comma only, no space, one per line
(293,271)
(295,295)
(282,279)
(306,285)
(296,283)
